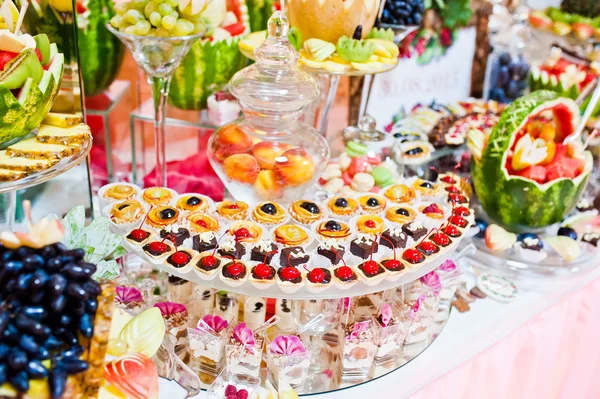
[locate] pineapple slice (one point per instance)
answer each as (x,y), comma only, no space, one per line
(310,63)
(367,67)
(318,50)
(11,175)
(62,120)
(24,164)
(332,66)
(385,48)
(32,148)
(69,135)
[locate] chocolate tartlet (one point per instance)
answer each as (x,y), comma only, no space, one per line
(289,274)
(396,236)
(319,275)
(265,272)
(413,256)
(329,249)
(428,248)
(345,274)
(392,265)
(371,269)
(260,249)
(204,242)
(178,236)
(181,258)
(138,236)
(363,246)
(234,271)
(208,263)
(293,256)
(414,230)
(231,248)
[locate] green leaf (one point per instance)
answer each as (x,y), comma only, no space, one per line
(456,14)
(117,253)
(73,223)
(106,270)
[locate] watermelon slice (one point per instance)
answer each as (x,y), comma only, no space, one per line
(524,201)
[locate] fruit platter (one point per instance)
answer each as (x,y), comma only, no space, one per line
(60,143)
(563,23)
(344,244)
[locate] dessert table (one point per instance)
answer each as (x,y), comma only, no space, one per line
(544,344)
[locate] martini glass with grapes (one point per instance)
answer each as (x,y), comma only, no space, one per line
(159,34)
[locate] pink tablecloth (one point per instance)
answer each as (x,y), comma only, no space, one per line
(554,355)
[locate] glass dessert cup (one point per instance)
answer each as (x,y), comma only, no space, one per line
(392,332)
(241,359)
(304,312)
(291,367)
(239,381)
(267,154)
(207,349)
(360,345)
(158,57)
(171,367)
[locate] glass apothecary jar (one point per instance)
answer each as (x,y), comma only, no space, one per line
(268,154)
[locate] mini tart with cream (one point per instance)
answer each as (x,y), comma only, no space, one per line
(203,223)
(342,206)
(290,235)
(232,210)
(333,229)
(400,193)
(157,195)
(426,188)
(306,212)
(162,216)
(119,192)
(192,203)
(245,231)
(128,211)
(370,224)
(400,214)
(372,203)
(268,213)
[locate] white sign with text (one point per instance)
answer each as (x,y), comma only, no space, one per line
(445,79)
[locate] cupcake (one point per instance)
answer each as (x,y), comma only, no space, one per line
(369,224)
(413,256)
(206,265)
(117,192)
(204,242)
(318,279)
(434,216)
(232,210)
(181,259)
(139,237)
(246,231)
(193,203)
(372,203)
(203,223)
(331,250)
(262,251)
(306,212)
(333,230)
(400,214)
(158,251)
(342,206)
(531,249)
(234,273)
(428,248)
(400,193)
(269,213)
(157,196)
(414,230)
(290,235)
(231,248)
(262,276)
(177,235)
(371,272)
(293,256)
(364,246)
(125,214)
(345,277)
(289,279)
(427,189)
(161,216)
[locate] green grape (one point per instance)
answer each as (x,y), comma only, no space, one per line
(139,4)
(172,3)
(162,32)
(116,21)
(122,8)
(130,30)
(132,16)
(175,15)
(168,22)
(155,18)
(142,28)
(165,9)
(150,8)
(183,27)
(152,33)
(158,1)
(200,27)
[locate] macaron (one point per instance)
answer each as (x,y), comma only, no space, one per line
(334,185)
(362,182)
(383,176)
(356,149)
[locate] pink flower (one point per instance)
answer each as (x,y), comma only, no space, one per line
(128,294)
(244,336)
(432,280)
(359,328)
(417,306)
(448,266)
(386,314)
(216,323)
(170,308)
(287,345)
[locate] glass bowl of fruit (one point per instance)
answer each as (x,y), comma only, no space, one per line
(268,154)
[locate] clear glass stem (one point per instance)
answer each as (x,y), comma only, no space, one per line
(332,88)
(160,92)
(8,204)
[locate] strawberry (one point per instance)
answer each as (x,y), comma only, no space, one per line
(235,29)
(497,239)
(582,30)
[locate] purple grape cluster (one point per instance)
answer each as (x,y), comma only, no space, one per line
(403,12)
(47,301)
(508,78)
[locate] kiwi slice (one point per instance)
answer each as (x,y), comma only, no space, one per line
(295,38)
(42,43)
(353,50)
(380,33)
